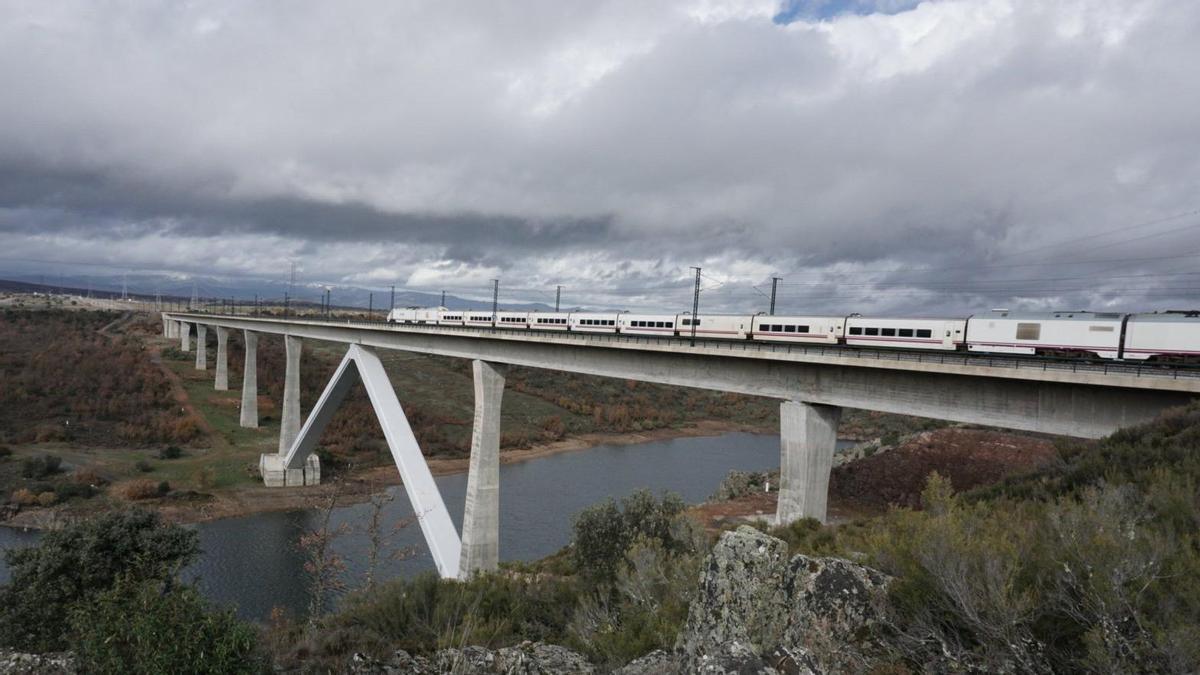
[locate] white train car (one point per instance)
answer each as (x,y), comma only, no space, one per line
(646,324)
(1047,333)
(512,320)
(1163,336)
(549,321)
(406,315)
(594,322)
(869,331)
(721,326)
(428,315)
(479,318)
(823,329)
(451,317)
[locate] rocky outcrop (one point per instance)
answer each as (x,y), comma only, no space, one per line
(528,658)
(758,612)
(17,663)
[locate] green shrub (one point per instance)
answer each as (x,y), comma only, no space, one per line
(144,466)
(72,565)
(5,451)
(427,613)
(603,532)
(65,491)
(148,627)
(40,467)
(170,452)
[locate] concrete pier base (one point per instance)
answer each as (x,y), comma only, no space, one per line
(222,380)
(201,347)
(289,421)
(481,516)
(276,474)
(185,336)
(807,440)
(249,418)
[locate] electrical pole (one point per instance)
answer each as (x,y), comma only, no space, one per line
(443,299)
(495,300)
(194,301)
(557,297)
(286,304)
(774,284)
(695,306)
(370,305)
(393,301)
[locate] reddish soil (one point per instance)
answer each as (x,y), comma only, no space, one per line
(968,457)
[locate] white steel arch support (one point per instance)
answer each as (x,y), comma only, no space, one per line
(361,363)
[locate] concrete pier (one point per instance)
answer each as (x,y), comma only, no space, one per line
(222,380)
(185,336)
(201,347)
(250,382)
(807,440)
(481,517)
(289,421)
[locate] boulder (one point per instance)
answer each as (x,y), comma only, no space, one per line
(528,658)
(832,593)
(741,598)
(17,663)
(758,612)
(657,662)
(537,658)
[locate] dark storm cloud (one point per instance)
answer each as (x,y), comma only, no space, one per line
(885,161)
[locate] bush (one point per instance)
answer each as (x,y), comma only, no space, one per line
(140,489)
(148,627)
(170,452)
(47,499)
(144,466)
(41,467)
(603,532)
(5,451)
(76,563)
(66,491)
(24,497)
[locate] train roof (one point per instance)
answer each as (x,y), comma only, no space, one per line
(1166,317)
(1064,315)
(909,318)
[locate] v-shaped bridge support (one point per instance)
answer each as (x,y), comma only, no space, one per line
(361,363)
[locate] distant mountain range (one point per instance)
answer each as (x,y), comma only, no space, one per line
(175,289)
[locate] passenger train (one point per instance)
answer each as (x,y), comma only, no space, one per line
(1158,336)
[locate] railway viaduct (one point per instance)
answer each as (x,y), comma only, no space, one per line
(814,383)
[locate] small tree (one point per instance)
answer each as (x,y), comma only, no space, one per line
(74,564)
(324,566)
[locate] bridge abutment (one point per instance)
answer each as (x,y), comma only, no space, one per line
(185,336)
(481,515)
(201,347)
(221,382)
(249,416)
(807,440)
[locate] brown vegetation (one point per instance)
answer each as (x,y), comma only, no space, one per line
(66,381)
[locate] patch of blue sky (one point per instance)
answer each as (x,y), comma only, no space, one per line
(824,10)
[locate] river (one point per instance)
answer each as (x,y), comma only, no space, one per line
(252,562)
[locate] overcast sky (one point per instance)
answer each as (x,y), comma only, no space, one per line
(879,155)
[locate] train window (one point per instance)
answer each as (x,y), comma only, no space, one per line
(670,324)
(801,329)
(924,333)
(888,332)
(789,329)
(906,332)
(855,330)
(1029,331)
(872,331)
(612,322)
(660,324)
